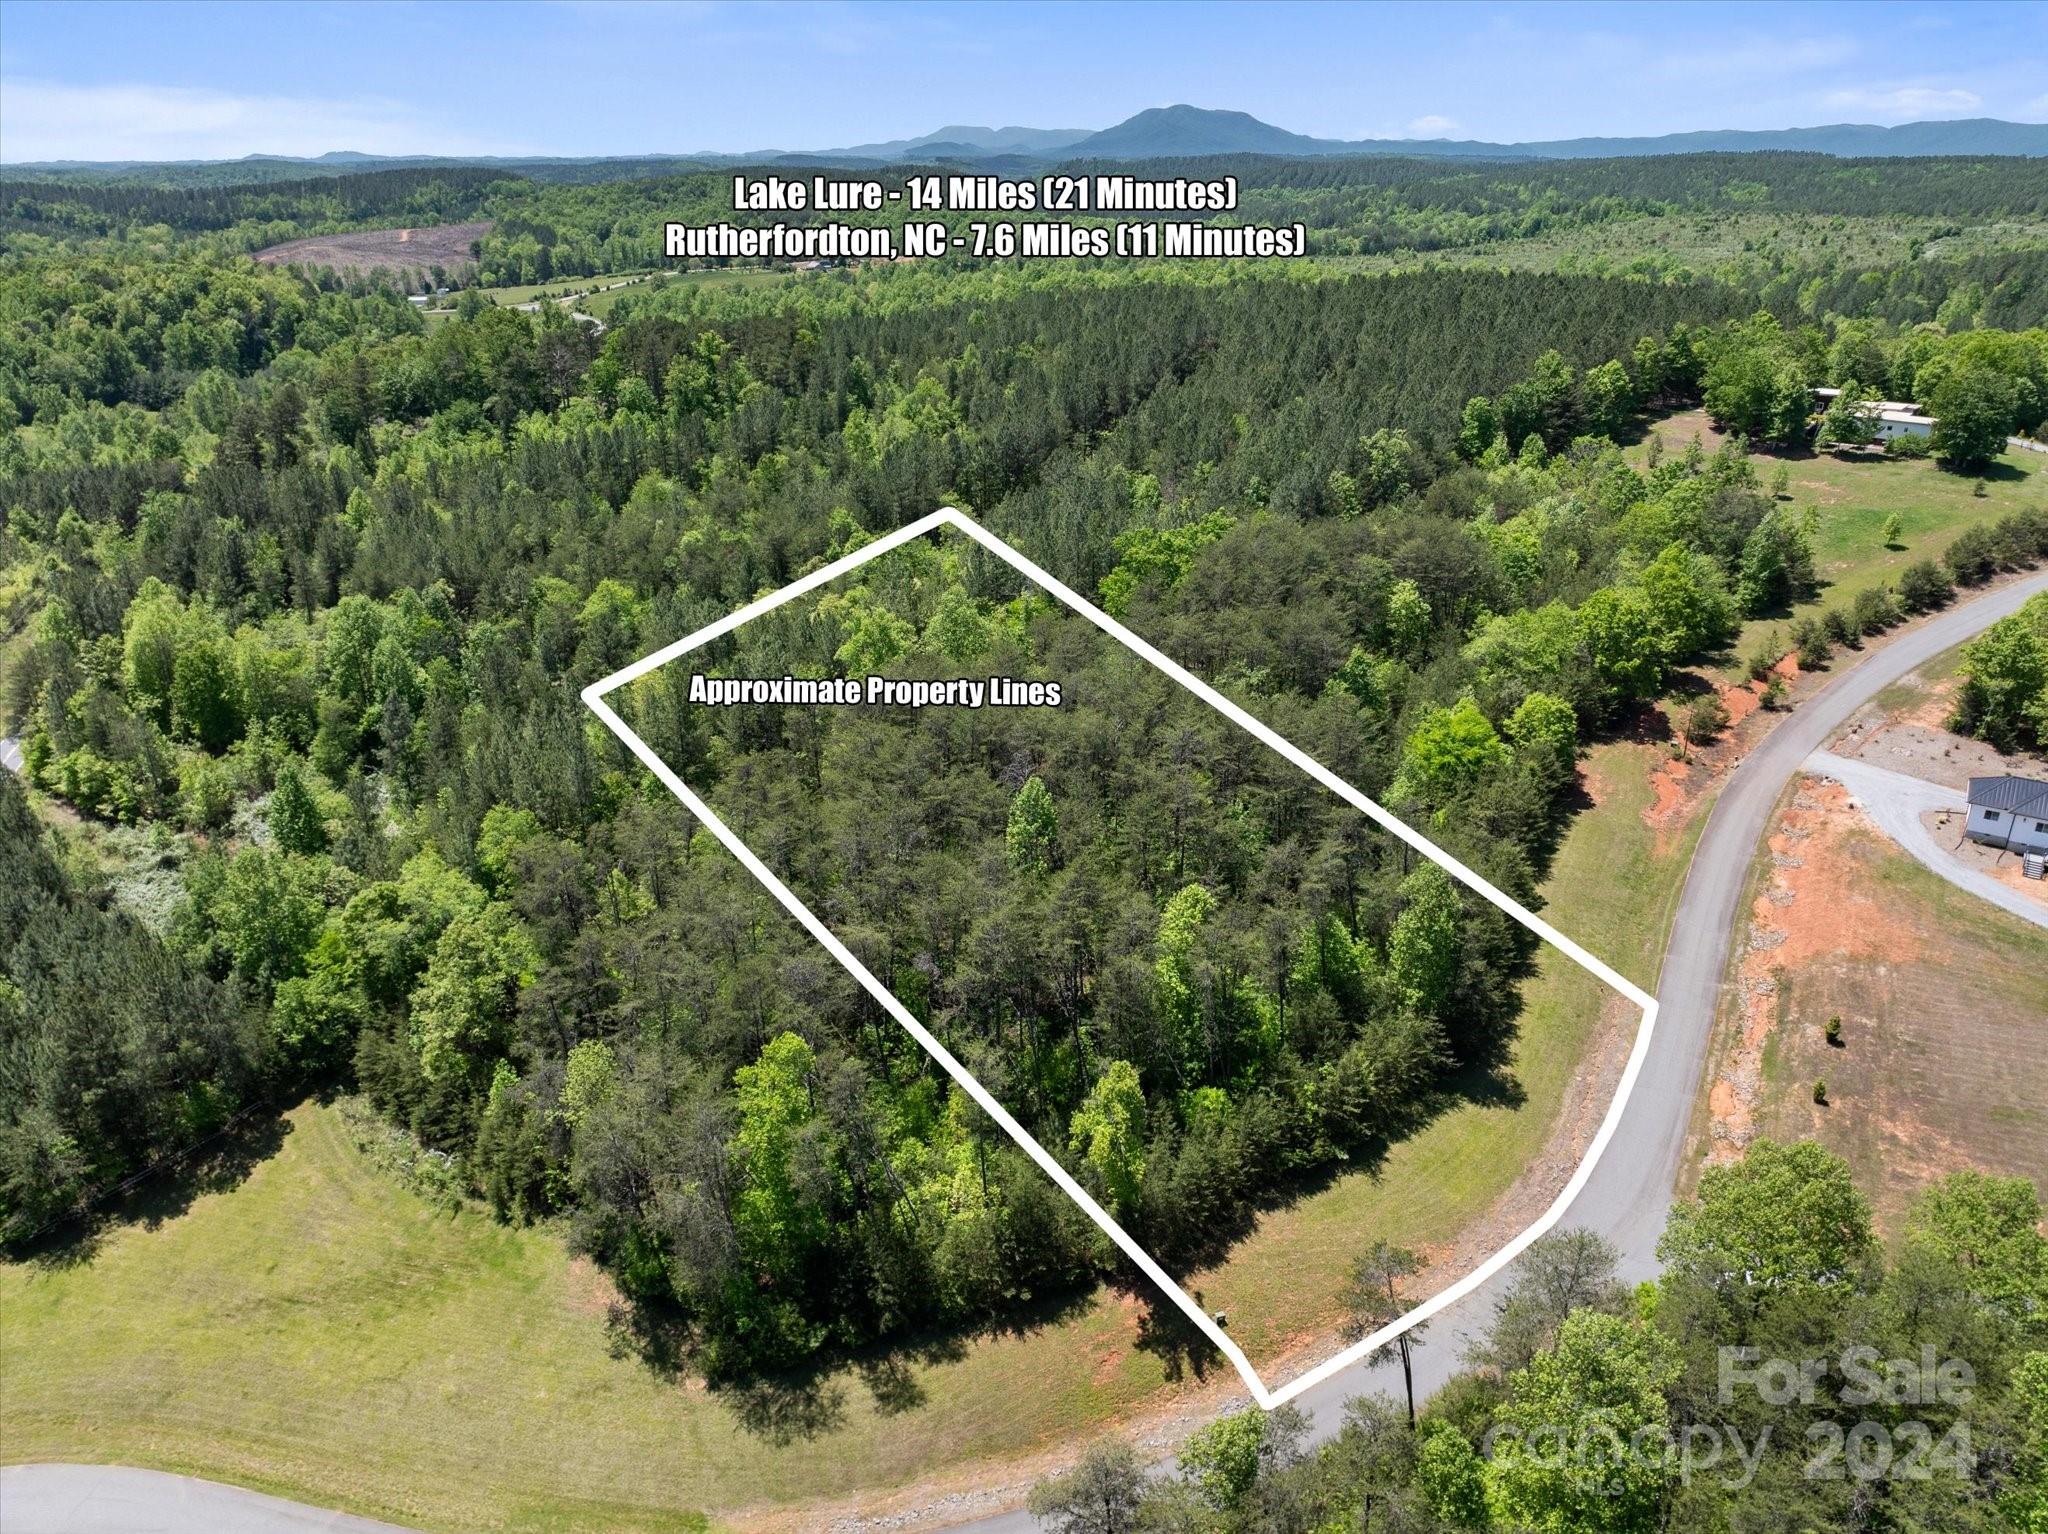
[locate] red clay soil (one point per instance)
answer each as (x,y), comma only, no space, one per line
(1814,906)
(1678,784)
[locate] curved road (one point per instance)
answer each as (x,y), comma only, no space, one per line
(1625,1200)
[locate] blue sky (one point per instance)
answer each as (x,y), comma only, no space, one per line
(165,80)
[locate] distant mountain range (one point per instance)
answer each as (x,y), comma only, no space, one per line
(1165,132)
(1179,132)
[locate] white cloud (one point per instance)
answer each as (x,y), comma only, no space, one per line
(45,120)
(1432,125)
(1905,103)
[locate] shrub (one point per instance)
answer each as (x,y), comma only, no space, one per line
(1840,628)
(1810,640)
(1975,555)
(1774,690)
(1763,660)
(1705,718)
(1820,1093)
(1909,447)
(1924,585)
(2024,534)
(1874,611)
(1834,1032)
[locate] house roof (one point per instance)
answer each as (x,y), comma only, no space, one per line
(2028,795)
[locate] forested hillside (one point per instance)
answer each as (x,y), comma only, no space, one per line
(310,589)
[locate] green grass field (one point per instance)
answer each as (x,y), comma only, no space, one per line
(1852,498)
(321,1332)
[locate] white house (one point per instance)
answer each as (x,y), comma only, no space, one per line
(2009,812)
(1891,417)
(1895,420)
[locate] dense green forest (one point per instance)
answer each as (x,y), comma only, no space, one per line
(306,590)
(559,221)
(1918,1397)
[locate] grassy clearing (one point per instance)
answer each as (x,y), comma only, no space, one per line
(1613,888)
(560,287)
(1854,496)
(321,1332)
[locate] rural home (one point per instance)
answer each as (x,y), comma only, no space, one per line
(1891,417)
(2009,812)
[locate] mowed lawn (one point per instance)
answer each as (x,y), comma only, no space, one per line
(321,1332)
(324,1334)
(1854,496)
(1613,890)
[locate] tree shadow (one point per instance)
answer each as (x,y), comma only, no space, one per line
(2003,473)
(808,1402)
(1166,1332)
(784,1411)
(160,1193)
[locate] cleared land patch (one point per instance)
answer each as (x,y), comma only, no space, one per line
(383,250)
(1944,1022)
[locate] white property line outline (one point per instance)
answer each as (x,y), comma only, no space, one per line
(947,516)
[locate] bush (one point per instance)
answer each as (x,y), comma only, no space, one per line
(1975,555)
(1820,1093)
(1810,640)
(1834,1032)
(1763,660)
(1874,611)
(1705,718)
(1909,447)
(1924,585)
(1840,628)
(1774,691)
(2024,535)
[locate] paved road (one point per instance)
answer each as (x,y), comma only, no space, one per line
(1626,1199)
(10,753)
(1896,801)
(112,1499)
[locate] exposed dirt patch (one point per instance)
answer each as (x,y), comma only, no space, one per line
(1944,1022)
(1679,784)
(590,1289)
(1679,430)
(1923,751)
(383,250)
(2005,866)
(1813,907)
(1905,729)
